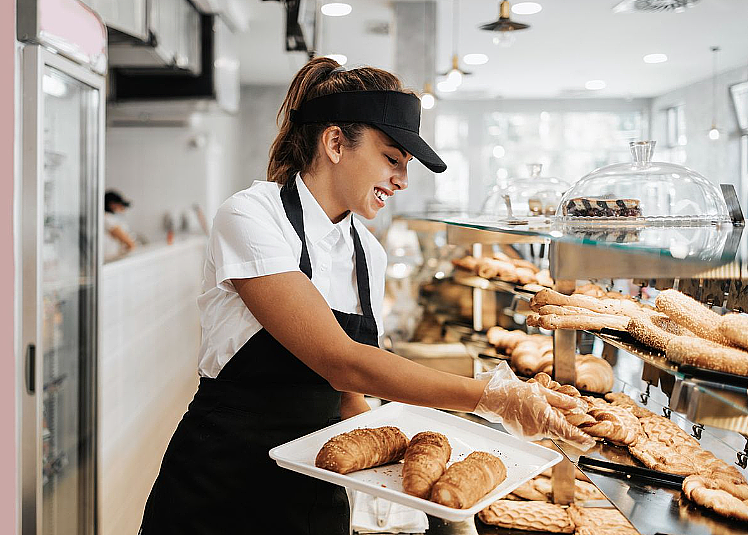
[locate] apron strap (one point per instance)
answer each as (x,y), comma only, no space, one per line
(362,273)
(292,205)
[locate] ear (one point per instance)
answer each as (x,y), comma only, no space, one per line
(332,143)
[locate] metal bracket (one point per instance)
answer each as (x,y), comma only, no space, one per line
(666,412)
(696,431)
(742,461)
(643,398)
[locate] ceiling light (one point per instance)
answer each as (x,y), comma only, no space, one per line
(505,39)
(594,85)
(526,8)
(336,9)
(427,101)
(504,23)
(499,151)
(655,58)
(454,77)
(714,133)
(340,58)
(475,59)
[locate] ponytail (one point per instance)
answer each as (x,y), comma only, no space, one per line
(295,146)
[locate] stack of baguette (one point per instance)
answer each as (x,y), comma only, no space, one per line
(502,267)
(533,353)
(680,327)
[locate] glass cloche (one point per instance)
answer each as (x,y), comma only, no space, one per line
(525,197)
(644,192)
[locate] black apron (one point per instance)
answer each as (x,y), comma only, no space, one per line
(216,476)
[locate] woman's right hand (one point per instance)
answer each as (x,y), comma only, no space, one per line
(529,410)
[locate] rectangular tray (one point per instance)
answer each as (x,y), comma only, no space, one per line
(523,460)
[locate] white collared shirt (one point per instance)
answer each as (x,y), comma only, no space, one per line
(252,237)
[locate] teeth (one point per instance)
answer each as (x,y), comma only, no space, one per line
(381,195)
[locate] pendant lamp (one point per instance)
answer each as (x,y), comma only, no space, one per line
(505,26)
(454,75)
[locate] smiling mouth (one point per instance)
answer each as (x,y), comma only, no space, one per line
(380,194)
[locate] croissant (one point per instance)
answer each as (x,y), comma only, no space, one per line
(467,481)
(362,448)
(594,374)
(425,460)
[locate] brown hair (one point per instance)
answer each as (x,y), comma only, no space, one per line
(295,146)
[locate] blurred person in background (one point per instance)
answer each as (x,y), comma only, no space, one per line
(117,237)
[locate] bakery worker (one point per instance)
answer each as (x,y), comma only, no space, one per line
(291,312)
(117,238)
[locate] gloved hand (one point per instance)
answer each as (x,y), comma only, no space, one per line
(528,410)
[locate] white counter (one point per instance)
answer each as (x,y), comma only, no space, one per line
(150,329)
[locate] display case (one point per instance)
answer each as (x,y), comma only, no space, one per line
(519,198)
(703,260)
(643,191)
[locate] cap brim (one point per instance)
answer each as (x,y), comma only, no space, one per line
(415,145)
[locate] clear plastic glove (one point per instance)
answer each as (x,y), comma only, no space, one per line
(528,410)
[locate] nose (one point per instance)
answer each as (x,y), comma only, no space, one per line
(400,180)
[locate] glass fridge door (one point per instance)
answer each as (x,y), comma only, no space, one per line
(68,261)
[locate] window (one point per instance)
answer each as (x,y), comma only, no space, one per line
(676,126)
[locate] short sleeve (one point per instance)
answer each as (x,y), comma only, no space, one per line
(247,241)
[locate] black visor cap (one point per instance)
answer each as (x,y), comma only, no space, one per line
(396,114)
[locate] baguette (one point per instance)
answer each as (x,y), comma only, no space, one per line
(601,306)
(734,327)
(580,322)
(655,331)
(707,354)
(425,460)
(362,448)
(692,315)
(465,482)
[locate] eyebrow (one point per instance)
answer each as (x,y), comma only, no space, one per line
(398,147)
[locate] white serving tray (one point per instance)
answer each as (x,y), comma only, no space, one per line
(523,460)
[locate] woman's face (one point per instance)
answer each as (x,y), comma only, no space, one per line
(370,173)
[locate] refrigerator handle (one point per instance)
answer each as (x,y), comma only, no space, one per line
(31,369)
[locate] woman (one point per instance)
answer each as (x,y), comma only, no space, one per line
(291,313)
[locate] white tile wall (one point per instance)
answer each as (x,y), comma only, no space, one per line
(147,372)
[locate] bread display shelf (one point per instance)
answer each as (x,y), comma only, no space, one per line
(712,256)
(474,281)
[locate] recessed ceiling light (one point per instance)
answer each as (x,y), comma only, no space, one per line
(340,58)
(594,85)
(475,59)
(526,8)
(655,58)
(336,9)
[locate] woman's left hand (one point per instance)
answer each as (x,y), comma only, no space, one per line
(352,404)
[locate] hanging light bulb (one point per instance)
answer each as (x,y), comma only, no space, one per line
(714,133)
(428,100)
(505,39)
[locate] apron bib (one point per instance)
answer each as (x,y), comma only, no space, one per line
(216,476)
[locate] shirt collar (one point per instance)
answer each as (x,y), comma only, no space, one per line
(317,225)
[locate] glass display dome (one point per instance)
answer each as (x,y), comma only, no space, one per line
(644,192)
(525,197)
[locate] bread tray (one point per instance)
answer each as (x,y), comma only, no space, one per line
(523,460)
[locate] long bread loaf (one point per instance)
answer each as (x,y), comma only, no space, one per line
(465,482)
(425,461)
(362,448)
